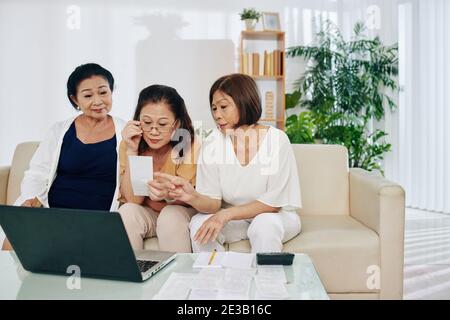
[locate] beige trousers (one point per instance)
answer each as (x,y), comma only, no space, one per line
(171,226)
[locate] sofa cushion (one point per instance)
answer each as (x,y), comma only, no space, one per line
(20,163)
(323,173)
(341,248)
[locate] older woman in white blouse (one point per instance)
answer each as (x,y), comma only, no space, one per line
(247,180)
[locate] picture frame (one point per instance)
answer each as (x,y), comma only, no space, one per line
(271,21)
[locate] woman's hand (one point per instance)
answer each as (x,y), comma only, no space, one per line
(32,203)
(27,203)
(7,245)
(158,190)
(179,189)
(132,134)
(211,228)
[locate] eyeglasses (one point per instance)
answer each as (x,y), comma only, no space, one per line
(161,128)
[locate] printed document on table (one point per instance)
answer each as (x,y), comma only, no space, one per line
(238,260)
(267,289)
(222,284)
(235,285)
(141,171)
(273,273)
(227,259)
(176,287)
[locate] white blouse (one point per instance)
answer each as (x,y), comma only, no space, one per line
(270,177)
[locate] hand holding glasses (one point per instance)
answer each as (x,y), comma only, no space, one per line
(132,134)
(133,131)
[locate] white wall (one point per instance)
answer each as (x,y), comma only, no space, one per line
(186,44)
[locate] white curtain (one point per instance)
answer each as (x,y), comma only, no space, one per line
(423,165)
(302,22)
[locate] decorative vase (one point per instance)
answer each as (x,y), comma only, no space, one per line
(250,24)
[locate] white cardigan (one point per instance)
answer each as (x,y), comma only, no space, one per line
(42,172)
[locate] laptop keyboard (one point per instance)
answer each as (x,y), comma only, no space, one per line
(145,265)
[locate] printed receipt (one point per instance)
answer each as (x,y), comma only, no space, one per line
(141,171)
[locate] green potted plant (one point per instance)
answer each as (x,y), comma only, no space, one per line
(251,17)
(347,85)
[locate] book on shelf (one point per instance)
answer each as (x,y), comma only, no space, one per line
(255,64)
(273,61)
(270,64)
(264,64)
(244,66)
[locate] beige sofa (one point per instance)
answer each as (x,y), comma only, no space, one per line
(352,221)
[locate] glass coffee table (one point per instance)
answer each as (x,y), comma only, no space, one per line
(303,282)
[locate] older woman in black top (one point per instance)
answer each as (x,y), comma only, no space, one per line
(76,164)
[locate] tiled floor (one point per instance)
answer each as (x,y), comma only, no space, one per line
(427,255)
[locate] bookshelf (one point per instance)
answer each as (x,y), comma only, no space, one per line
(262,56)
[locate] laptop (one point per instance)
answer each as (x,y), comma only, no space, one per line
(59,241)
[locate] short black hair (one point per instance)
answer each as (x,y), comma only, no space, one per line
(85,71)
(163,94)
(244,91)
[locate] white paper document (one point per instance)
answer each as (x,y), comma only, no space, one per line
(176,287)
(206,282)
(213,272)
(238,260)
(273,273)
(235,285)
(227,259)
(222,284)
(225,283)
(203,294)
(267,289)
(141,171)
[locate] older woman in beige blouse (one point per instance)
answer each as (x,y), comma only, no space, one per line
(159,120)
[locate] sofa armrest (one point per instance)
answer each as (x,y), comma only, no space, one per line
(380,204)
(4,175)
